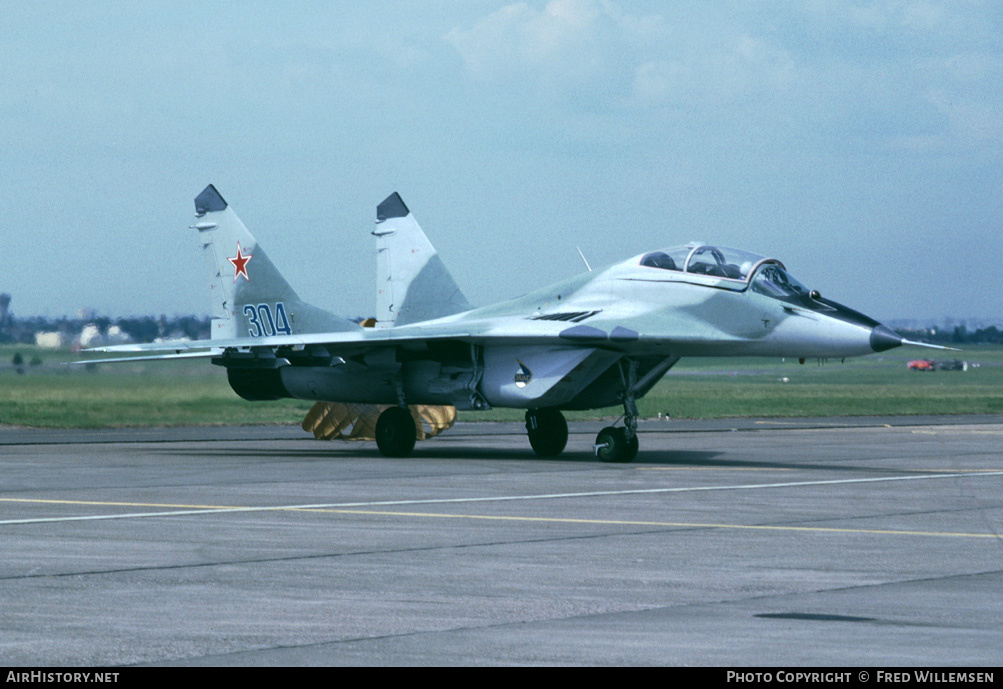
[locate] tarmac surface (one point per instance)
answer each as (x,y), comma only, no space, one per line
(755,542)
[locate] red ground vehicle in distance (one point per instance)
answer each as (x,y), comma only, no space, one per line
(921,365)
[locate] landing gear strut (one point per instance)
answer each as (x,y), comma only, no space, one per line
(548,431)
(396,432)
(620,444)
(612,445)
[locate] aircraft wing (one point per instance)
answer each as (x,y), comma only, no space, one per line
(350,340)
(512,331)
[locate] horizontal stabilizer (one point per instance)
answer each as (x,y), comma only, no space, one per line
(151,357)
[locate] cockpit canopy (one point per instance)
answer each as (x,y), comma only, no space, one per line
(704,259)
(733,269)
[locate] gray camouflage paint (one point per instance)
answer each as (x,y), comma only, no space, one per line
(433,348)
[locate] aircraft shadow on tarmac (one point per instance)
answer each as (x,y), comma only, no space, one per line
(336,451)
(340,451)
(702,459)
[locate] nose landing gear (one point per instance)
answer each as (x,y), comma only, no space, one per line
(620,444)
(612,445)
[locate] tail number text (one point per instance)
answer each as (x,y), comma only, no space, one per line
(264,322)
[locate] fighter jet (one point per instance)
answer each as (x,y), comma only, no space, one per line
(599,339)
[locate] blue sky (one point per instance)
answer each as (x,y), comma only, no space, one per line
(859,142)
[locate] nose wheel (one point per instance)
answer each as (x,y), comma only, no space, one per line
(612,445)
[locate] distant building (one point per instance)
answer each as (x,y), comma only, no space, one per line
(117,336)
(52,340)
(6,320)
(90,336)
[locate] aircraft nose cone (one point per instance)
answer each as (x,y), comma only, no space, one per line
(884,338)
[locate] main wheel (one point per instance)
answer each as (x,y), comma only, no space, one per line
(612,445)
(547,430)
(396,432)
(632,447)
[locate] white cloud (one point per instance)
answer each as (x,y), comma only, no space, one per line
(715,75)
(590,51)
(937,20)
(974,119)
(963,89)
(567,47)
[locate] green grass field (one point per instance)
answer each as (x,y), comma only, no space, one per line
(50,395)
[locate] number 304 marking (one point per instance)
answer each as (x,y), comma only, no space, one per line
(263,323)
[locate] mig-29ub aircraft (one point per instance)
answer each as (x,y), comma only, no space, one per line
(599,339)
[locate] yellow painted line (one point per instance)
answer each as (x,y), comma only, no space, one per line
(929,471)
(687,525)
(957,471)
(959,431)
(190,509)
(712,469)
(205,509)
(101,503)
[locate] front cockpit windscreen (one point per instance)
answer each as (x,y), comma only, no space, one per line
(773,281)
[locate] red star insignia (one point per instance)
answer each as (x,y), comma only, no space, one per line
(240,264)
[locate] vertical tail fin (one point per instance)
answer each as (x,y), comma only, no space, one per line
(412,282)
(249,295)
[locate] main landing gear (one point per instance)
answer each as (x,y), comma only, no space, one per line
(548,431)
(396,432)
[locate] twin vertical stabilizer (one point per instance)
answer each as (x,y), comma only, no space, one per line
(412,283)
(250,298)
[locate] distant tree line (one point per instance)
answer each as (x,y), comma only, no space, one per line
(140,328)
(959,335)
